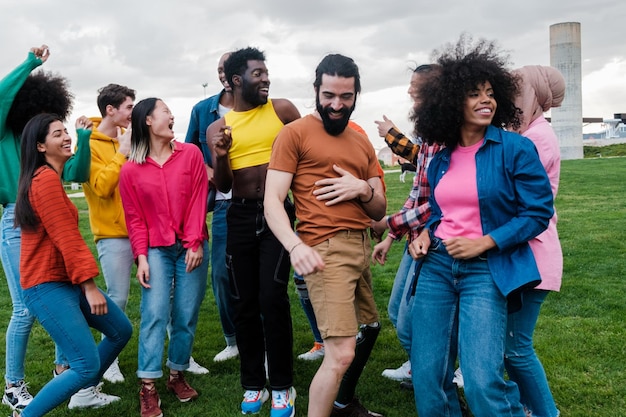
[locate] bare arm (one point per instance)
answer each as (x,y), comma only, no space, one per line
(305,260)
(219,139)
(285,110)
(347,187)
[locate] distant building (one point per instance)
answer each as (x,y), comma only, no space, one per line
(389,158)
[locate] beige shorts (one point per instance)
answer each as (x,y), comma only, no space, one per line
(341,294)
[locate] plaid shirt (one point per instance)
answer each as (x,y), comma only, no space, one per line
(402,146)
(416,210)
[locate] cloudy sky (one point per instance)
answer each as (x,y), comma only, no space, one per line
(169,49)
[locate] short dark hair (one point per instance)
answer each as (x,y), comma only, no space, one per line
(42,92)
(464,66)
(35,132)
(114,95)
(339,65)
(237,62)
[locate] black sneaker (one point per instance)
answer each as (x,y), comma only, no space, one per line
(354,409)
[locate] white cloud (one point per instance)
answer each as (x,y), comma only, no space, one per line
(170,48)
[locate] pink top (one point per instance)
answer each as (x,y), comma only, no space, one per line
(166,203)
(546,247)
(457,196)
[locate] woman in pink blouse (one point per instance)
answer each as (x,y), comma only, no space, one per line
(164,189)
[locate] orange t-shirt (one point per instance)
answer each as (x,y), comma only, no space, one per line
(358,128)
(304,149)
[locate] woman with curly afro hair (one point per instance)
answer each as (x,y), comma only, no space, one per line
(22,96)
(490,195)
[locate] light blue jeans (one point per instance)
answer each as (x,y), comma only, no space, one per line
(399,307)
(307,307)
(116,260)
(21,318)
(65,314)
(219,273)
(521,361)
(174,297)
(460,295)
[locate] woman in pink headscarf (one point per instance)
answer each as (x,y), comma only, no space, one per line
(542,88)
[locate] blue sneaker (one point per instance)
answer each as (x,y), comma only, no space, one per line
(283,403)
(253,400)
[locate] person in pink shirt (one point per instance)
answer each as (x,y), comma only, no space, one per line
(541,89)
(164,188)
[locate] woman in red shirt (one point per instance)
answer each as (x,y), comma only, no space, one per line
(57,268)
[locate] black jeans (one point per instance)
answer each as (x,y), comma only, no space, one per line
(258,267)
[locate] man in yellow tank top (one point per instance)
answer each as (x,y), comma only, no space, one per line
(257,263)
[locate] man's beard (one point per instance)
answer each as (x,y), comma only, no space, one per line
(250,94)
(334,127)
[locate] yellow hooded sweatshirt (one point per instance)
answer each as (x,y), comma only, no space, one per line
(106,215)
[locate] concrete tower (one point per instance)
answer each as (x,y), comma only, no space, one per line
(567,120)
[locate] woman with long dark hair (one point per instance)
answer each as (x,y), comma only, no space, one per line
(164,188)
(490,196)
(57,268)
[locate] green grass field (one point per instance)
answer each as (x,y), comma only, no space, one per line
(580,334)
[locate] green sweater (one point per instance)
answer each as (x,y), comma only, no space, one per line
(76,168)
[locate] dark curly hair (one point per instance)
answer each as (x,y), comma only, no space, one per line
(42,92)
(237,62)
(463,67)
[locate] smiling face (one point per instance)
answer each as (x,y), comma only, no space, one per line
(221,74)
(255,83)
(335,102)
(121,115)
(57,147)
(480,106)
(161,122)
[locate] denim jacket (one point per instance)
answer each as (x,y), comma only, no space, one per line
(515,201)
(202,115)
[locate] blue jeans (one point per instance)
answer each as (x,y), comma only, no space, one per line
(21,318)
(521,361)
(64,313)
(174,297)
(460,295)
(116,260)
(399,308)
(219,273)
(307,307)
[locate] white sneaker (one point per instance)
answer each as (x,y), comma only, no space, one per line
(17,397)
(401,374)
(228,353)
(91,397)
(113,374)
(196,368)
(458,378)
(316,352)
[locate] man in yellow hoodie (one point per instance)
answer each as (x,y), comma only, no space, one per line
(109,147)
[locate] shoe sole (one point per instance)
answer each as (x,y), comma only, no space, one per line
(216,359)
(394,378)
(264,399)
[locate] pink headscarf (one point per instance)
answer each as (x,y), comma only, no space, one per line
(541,88)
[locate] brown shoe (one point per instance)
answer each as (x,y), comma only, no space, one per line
(354,409)
(150,402)
(183,391)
